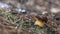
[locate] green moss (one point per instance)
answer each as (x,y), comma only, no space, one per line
(43,31)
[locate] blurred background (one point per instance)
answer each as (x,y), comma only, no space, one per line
(29,16)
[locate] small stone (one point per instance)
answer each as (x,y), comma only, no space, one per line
(21,10)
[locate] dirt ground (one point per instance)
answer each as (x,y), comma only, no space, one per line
(19,16)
